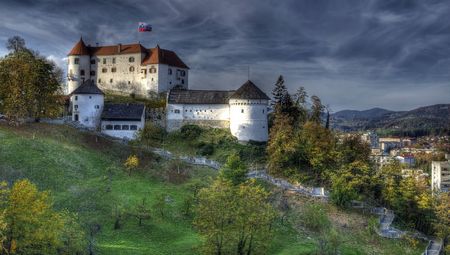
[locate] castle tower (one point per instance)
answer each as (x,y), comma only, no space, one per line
(87,104)
(248,113)
(78,69)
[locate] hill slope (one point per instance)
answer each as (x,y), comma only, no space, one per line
(434,117)
(79,169)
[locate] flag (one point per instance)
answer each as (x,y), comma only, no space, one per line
(144,27)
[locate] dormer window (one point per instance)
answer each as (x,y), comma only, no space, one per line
(131,59)
(76,61)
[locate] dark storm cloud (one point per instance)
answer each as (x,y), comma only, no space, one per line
(352,53)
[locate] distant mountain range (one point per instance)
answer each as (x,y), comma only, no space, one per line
(426,119)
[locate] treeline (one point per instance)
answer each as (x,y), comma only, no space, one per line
(302,148)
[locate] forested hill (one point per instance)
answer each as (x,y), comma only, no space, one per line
(423,120)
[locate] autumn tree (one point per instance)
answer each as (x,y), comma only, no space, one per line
(442,222)
(29,85)
(32,225)
(353,148)
(317,109)
(234,219)
(131,164)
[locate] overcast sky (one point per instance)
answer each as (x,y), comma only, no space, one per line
(352,54)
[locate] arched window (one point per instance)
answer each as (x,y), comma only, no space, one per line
(131,69)
(131,59)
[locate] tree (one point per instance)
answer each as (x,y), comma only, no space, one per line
(442,223)
(73,236)
(33,226)
(316,110)
(234,169)
(234,219)
(3,227)
(151,134)
(301,97)
(281,146)
(141,212)
(353,148)
(131,164)
(15,44)
(160,204)
(29,86)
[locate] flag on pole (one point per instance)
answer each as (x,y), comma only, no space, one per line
(145,27)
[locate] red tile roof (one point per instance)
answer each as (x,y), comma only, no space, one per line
(152,56)
(79,48)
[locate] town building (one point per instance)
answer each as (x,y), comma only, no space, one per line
(440,175)
(126,69)
(243,111)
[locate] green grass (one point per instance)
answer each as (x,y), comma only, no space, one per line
(75,167)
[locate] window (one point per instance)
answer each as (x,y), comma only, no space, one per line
(76,98)
(114,60)
(109,127)
(133,127)
(104,61)
(182,81)
(177,111)
(129,82)
(113,70)
(90,97)
(242,110)
(131,59)
(76,61)
(104,70)
(131,69)
(97,107)
(263,110)
(144,72)
(82,72)
(116,127)
(92,73)
(170,71)
(152,70)
(92,61)
(99,80)
(125,127)
(75,106)
(111,81)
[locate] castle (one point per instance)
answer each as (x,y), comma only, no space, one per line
(133,69)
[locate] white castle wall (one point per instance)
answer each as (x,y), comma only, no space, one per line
(88,107)
(128,134)
(75,79)
(248,119)
(215,115)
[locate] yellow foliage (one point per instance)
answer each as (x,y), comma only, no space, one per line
(131,163)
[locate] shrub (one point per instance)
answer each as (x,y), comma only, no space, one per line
(206,149)
(190,132)
(315,218)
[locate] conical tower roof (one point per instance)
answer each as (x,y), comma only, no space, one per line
(249,91)
(79,48)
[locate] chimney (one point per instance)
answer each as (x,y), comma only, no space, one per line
(119,47)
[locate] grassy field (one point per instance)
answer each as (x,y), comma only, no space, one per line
(85,175)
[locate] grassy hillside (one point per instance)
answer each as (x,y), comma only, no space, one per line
(85,175)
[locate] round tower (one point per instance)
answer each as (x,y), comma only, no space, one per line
(78,66)
(248,113)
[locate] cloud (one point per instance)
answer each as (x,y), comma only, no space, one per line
(352,53)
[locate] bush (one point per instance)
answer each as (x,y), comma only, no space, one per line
(315,218)
(206,149)
(190,132)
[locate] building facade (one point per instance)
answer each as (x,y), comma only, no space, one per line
(87,104)
(440,175)
(243,111)
(126,69)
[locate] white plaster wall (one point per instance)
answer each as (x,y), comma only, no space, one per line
(73,71)
(198,112)
(168,81)
(128,134)
(248,119)
(88,115)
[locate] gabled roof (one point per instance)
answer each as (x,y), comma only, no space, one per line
(161,56)
(123,112)
(181,96)
(88,87)
(249,91)
(79,48)
(114,49)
